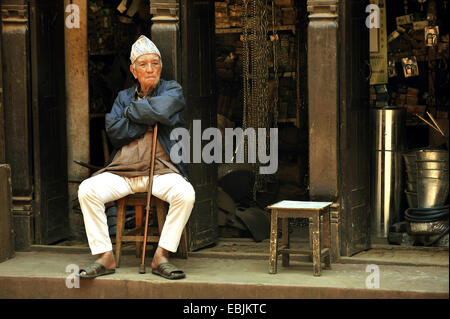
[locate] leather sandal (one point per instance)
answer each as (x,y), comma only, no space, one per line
(95,270)
(168,271)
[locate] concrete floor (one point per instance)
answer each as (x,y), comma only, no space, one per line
(227,271)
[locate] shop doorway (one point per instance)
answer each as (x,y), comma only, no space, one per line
(242,64)
(111,35)
(49,121)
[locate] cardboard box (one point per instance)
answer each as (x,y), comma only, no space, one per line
(406,19)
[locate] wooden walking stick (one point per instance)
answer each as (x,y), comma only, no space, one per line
(149,195)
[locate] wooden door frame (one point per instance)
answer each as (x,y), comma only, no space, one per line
(40,202)
(325,103)
(323,110)
(16,113)
(2,117)
(169,18)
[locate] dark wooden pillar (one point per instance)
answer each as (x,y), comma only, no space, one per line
(183,31)
(165,33)
(2,120)
(17,115)
(16,97)
(338,113)
(323,99)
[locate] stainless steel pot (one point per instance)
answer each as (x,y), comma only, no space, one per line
(411,186)
(432,155)
(432,192)
(411,198)
(411,176)
(443,165)
(432,173)
(410,159)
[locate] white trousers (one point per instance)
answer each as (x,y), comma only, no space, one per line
(106,187)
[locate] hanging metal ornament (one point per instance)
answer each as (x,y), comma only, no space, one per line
(410,67)
(392,70)
(405,2)
(431,36)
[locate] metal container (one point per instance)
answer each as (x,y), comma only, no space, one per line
(411,168)
(432,155)
(427,228)
(432,192)
(411,186)
(388,129)
(443,165)
(432,173)
(411,176)
(411,198)
(410,159)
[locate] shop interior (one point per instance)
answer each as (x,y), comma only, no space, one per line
(286,78)
(415,38)
(112,32)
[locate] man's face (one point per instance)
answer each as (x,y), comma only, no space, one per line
(147,70)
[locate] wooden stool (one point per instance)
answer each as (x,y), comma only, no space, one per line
(139,201)
(320,244)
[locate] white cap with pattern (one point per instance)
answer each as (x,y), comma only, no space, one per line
(142,46)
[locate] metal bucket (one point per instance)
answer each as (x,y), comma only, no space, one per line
(432,173)
(432,192)
(432,155)
(411,198)
(443,165)
(411,167)
(411,186)
(410,159)
(411,176)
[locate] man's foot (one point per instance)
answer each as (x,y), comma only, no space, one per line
(161,256)
(107,259)
(105,264)
(162,267)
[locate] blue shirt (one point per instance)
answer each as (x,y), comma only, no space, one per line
(130,118)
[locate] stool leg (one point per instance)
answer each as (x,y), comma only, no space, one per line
(315,225)
(310,229)
(273,242)
(119,228)
(139,216)
(326,237)
(285,241)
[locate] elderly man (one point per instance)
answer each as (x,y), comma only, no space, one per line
(129,127)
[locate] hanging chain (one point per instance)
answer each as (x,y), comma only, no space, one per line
(260,77)
(275,66)
(256,111)
(245,75)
